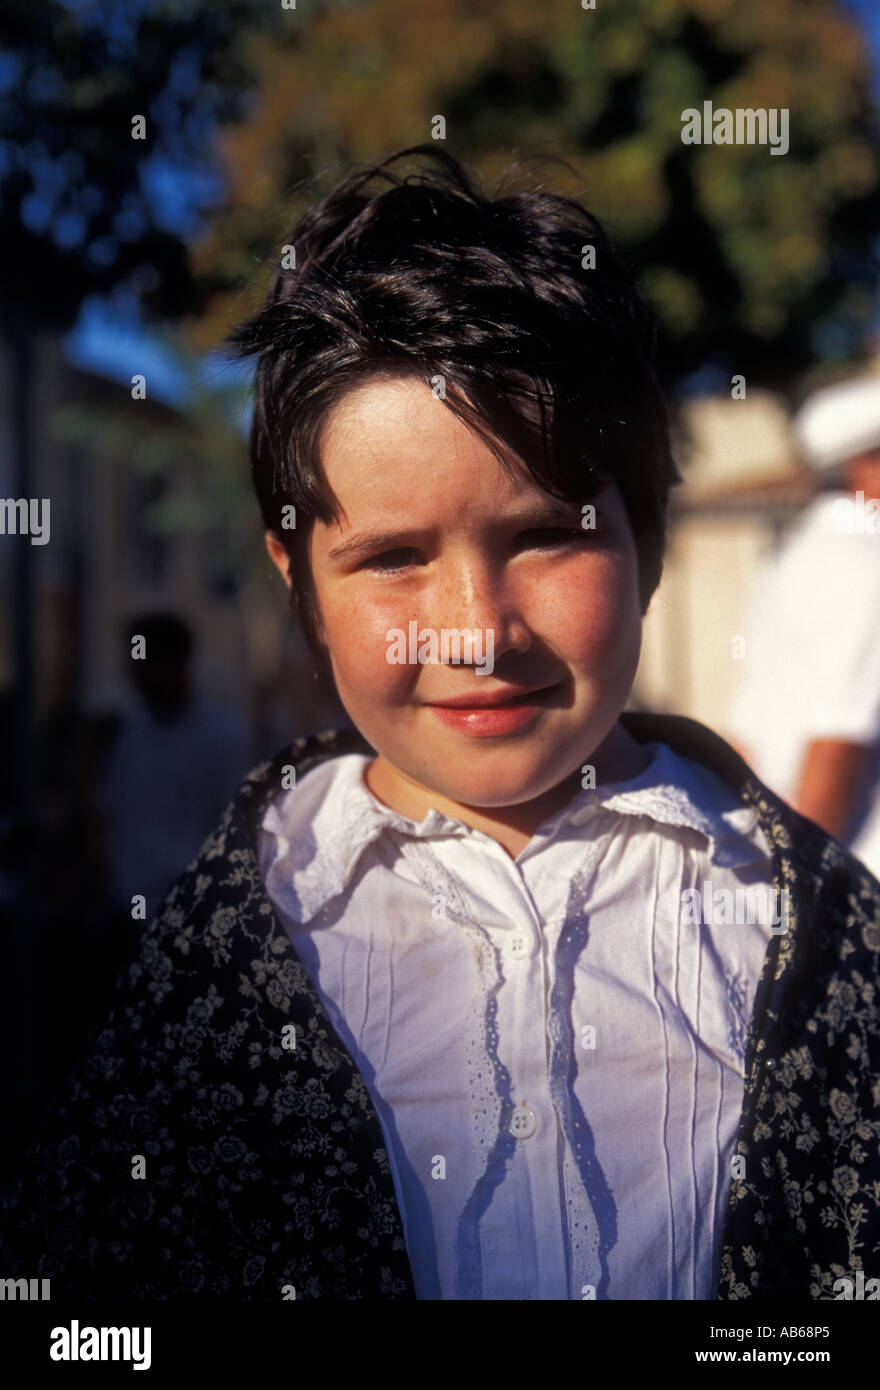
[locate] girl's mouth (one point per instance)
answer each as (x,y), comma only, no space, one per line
(493,714)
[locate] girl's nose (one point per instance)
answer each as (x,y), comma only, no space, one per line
(477,597)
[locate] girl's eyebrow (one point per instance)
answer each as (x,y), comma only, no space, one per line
(373,542)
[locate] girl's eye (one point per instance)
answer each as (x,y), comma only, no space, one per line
(550,537)
(539,538)
(390,561)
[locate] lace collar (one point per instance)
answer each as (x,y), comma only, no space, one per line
(320,829)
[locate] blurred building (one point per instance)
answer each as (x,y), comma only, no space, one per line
(743,484)
(105,561)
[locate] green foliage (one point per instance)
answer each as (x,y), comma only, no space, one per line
(79,212)
(752,259)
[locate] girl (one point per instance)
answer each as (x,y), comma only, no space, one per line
(504,993)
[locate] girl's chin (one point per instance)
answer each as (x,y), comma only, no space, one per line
(491,794)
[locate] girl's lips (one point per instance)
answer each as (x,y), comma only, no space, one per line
(487,721)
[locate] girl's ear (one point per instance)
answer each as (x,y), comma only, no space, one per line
(278,556)
(281,560)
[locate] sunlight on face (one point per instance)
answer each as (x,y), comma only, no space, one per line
(434,532)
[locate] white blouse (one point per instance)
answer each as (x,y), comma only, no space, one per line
(554,1044)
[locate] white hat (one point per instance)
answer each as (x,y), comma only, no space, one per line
(839,422)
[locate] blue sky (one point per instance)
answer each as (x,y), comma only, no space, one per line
(110,339)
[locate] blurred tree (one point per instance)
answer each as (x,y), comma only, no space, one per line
(761,262)
(85,206)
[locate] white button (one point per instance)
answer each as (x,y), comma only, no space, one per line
(519,946)
(523,1122)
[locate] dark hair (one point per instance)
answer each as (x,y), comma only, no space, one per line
(428,276)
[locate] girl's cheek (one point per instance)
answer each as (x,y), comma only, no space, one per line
(357,627)
(589,611)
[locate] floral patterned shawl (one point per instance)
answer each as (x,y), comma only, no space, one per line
(265,1165)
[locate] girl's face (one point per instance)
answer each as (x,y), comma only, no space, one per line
(435,537)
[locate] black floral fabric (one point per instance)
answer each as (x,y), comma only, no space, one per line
(265,1170)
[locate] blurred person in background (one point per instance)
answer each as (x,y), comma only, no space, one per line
(175,760)
(807,713)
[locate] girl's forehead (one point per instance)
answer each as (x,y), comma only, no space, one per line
(394,454)
(391,441)
(392,422)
